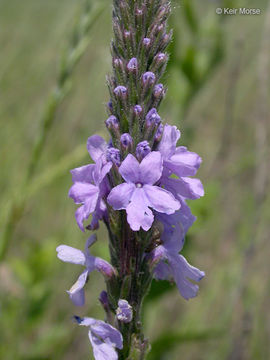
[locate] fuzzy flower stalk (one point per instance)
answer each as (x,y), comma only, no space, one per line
(137,185)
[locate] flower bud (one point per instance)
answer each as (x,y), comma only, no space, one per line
(146,42)
(159,132)
(127,34)
(152,118)
(166,38)
(160,59)
(110,106)
(142,149)
(158,91)
(132,65)
(113,155)
(112,123)
(124,311)
(120,91)
(139,12)
(148,78)
(104,268)
(103,298)
(118,63)
(137,110)
(126,141)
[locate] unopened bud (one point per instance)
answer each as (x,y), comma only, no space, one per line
(127,34)
(124,311)
(152,118)
(104,268)
(126,141)
(118,62)
(158,91)
(146,42)
(110,106)
(139,12)
(112,123)
(113,155)
(159,132)
(148,78)
(142,149)
(137,110)
(161,58)
(120,91)
(132,65)
(103,298)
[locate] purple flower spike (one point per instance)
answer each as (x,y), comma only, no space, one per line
(158,90)
(112,122)
(124,311)
(148,78)
(103,337)
(142,150)
(121,91)
(152,118)
(126,141)
(91,263)
(132,65)
(113,155)
(118,63)
(139,193)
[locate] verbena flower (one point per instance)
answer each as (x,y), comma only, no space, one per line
(90,184)
(91,263)
(139,192)
(166,259)
(103,337)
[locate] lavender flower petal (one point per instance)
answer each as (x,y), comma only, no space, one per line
(81,191)
(130,169)
(138,212)
(168,142)
(161,200)
(101,350)
(83,173)
(70,255)
(151,168)
(103,337)
(76,292)
(120,196)
(96,146)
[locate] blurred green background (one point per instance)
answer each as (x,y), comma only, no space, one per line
(54,59)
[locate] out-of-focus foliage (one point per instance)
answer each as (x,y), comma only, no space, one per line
(218,94)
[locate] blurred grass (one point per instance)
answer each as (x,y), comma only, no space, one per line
(230,318)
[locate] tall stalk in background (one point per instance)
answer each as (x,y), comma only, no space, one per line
(138,186)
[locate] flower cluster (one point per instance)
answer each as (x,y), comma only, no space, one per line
(137,185)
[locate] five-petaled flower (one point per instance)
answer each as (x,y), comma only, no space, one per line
(139,192)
